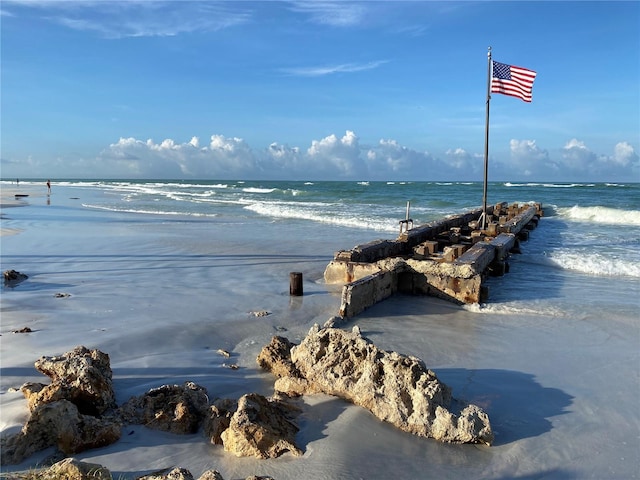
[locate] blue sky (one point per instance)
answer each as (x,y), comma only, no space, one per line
(310,90)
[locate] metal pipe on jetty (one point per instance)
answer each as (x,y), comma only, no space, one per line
(448,258)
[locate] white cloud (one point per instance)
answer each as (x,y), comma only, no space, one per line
(576,156)
(336,14)
(390,156)
(462,160)
(331,157)
(119,19)
(339,154)
(332,69)
(624,155)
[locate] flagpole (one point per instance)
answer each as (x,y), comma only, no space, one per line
(486,143)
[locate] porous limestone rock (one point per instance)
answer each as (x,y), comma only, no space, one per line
(82,376)
(72,469)
(218,419)
(262,428)
(396,388)
(61,424)
(174,474)
(276,357)
(182,474)
(171,408)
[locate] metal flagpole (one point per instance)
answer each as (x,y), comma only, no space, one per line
(486,142)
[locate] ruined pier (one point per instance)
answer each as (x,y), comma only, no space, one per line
(448,258)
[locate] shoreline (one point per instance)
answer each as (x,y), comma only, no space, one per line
(14,196)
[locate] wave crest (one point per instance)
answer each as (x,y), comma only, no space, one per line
(602,215)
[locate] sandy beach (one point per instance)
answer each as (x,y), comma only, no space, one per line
(161,295)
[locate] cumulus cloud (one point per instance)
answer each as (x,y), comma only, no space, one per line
(528,159)
(388,156)
(459,160)
(575,161)
(341,155)
(332,157)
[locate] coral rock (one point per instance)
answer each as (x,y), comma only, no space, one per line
(262,428)
(72,469)
(396,388)
(276,357)
(218,419)
(60,424)
(171,408)
(82,376)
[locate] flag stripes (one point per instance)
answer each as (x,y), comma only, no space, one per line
(514,81)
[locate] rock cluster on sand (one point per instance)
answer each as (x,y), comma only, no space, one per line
(67,412)
(77,410)
(71,469)
(397,389)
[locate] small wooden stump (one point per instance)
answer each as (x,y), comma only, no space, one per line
(295,284)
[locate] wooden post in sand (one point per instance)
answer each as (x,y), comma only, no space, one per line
(295,284)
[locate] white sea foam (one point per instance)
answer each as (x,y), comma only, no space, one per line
(312,211)
(594,264)
(516,308)
(147,211)
(549,185)
(258,190)
(603,215)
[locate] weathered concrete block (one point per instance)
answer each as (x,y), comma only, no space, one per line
(365,292)
(426,248)
(345,272)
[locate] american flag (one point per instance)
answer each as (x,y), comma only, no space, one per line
(514,81)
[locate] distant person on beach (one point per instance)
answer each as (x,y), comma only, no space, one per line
(48,187)
(17,181)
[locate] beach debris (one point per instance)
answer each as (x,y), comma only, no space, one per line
(62,295)
(396,388)
(12,278)
(261,427)
(23,330)
(260,313)
(59,424)
(224,353)
(232,366)
(177,409)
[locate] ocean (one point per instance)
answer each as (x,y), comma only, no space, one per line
(589,229)
(553,356)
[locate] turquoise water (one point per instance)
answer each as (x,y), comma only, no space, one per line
(591,229)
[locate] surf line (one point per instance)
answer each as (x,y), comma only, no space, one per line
(448,258)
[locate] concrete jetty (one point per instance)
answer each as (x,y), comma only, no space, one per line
(448,258)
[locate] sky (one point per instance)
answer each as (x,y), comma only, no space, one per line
(317,90)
